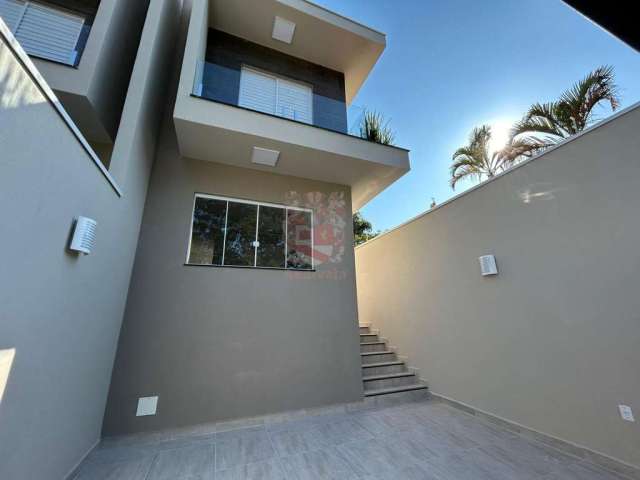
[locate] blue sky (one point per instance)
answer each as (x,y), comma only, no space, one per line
(451,65)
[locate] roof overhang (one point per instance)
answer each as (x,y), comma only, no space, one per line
(321,36)
(617,20)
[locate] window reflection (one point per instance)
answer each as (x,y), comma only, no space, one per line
(207,237)
(299,240)
(271,226)
(241,234)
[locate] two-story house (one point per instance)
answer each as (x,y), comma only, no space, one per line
(242,300)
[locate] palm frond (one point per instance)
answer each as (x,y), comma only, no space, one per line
(541,119)
(472,160)
(548,123)
(375,129)
(597,87)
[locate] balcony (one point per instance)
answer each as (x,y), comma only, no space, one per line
(225,111)
(85,51)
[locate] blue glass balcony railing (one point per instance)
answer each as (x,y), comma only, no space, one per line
(292,100)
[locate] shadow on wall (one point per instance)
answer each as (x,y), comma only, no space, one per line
(13,84)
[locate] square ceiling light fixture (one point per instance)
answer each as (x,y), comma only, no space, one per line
(283,30)
(264,156)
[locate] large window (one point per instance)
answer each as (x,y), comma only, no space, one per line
(241,233)
(268,93)
(46,31)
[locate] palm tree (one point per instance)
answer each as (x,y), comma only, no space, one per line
(546,124)
(475,161)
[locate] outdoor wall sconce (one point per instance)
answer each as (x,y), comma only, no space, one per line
(84,235)
(488,265)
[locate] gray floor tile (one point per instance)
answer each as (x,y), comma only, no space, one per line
(121,470)
(526,456)
(474,465)
(374,457)
(114,451)
(417,441)
(385,422)
(343,431)
(581,471)
(240,447)
(412,472)
(194,462)
(269,470)
(293,442)
(318,465)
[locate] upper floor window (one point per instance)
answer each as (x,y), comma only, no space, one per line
(269,93)
(242,233)
(45,31)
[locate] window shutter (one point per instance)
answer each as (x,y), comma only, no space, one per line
(257,91)
(49,33)
(295,101)
(11,12)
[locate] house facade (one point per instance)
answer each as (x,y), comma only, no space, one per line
(231,171)
(214,143)
(242,300)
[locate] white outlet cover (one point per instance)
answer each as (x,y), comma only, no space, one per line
(147,406)
(626,413)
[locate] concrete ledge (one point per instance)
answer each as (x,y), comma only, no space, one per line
(601,460)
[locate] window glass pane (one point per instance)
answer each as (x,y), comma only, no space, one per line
(271,251)
(207,235)
(241,233)
(299,240)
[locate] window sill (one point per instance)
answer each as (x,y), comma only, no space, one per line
(242,267)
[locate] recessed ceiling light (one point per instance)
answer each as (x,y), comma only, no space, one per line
(283,30)
(264,156)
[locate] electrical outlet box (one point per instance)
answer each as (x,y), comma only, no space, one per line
(488,265)
(147,406)
(626,413)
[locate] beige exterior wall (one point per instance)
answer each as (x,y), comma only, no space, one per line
(95,91)
(217,343)
(552,342)
(60,314)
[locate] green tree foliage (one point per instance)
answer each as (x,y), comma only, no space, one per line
(362,229)
(546,124)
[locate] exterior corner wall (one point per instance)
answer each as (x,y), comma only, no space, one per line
(551,343)
(61,313)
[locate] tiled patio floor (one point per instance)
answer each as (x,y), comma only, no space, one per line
(424,440)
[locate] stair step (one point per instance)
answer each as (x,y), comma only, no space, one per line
(386,376)
(368,334)
(382,352)
(383,364)
(377,342)
(388,391)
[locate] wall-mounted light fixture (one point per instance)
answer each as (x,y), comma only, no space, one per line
(488,265)
(84,235)
(283,30)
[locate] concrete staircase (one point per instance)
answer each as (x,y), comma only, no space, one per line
(383,372)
